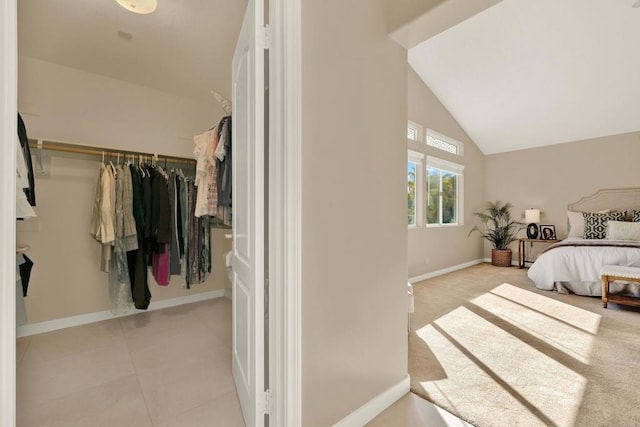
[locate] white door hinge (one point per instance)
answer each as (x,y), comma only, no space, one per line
(267,36)
(267,402)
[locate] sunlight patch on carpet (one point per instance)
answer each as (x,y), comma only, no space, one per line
(575,316)
(510,381)
(566,338)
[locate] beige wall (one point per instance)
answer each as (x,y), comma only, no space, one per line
(402,12)
(432,249)
(67,104)
(410,22)
(354,247)
(72,105)
(551,177)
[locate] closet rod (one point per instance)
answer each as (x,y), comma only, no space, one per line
(70,147)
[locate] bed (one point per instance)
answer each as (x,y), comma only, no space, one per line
(612,224)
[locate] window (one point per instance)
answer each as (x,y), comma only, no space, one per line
(414,131)
(444,143)
(443,195)
(414,188)
(434,186)
(411,193)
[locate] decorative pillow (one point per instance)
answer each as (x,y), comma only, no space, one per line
(623,230)
(635,216)
(595,224)
(576,223)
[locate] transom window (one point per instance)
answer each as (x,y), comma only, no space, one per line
(444,143)
(414,131)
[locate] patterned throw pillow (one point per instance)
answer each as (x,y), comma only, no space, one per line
(635,216)
(595,224)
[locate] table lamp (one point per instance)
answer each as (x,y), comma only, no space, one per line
(532,217)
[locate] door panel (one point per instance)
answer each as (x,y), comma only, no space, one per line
(248,216)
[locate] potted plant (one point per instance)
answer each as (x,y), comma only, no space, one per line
(499,229)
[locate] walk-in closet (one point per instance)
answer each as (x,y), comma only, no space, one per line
(110,85)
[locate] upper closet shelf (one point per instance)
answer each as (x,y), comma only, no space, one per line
(106,153)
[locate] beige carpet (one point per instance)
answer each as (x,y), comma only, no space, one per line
(492,349)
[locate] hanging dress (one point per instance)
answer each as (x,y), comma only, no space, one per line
(206,175)
(102,226)
(119,282)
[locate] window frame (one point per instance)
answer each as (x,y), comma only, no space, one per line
(458,170)
(459,145)
(417,158)
(418,130)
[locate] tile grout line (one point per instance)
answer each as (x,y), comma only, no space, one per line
(135,370)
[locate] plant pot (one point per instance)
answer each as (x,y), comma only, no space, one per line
(501,257)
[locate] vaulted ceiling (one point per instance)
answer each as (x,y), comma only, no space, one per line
(524,73)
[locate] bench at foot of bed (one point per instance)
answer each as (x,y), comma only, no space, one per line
(611,273)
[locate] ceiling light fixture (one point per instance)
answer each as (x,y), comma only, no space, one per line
(142,7)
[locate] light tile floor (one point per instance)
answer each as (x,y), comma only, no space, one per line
(166,368)
(169,367)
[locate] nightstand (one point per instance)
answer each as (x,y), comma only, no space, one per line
(522,255)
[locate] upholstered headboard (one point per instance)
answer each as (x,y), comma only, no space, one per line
(619,199)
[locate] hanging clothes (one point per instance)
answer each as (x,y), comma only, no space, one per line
(206,175)
(102,226)
(26,265)
(197,238)
(143,217)
(160,265)
(175,262)
(224,162)
(160,226)
(21,313)
(185,210)
(160,208)
(30,189)
(124,209)
(136,258)
(24,209)
(119,281)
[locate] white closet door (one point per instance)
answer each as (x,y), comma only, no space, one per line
(248,215)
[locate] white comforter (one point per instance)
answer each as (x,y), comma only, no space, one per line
(569,266)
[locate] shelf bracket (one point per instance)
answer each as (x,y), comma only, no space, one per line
(41,157)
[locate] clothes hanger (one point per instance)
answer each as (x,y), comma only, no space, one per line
(113,168)
(140,165)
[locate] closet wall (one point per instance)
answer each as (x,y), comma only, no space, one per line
(72,105)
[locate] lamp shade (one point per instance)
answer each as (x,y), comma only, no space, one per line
(532,216)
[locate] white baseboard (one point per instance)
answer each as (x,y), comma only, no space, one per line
(451,269)
(375,406)
(82,319)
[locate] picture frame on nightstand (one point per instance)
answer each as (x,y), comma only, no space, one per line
(547,232)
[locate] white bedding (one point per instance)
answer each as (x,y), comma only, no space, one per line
(576,269)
